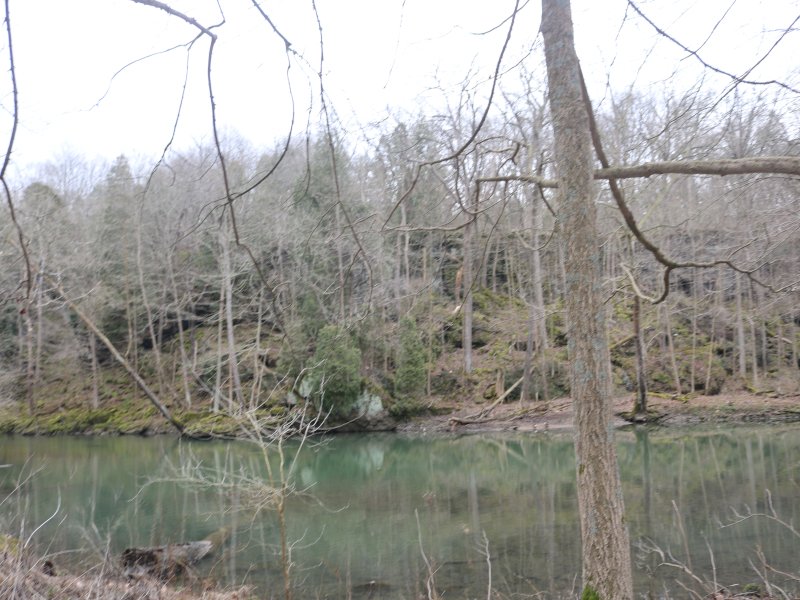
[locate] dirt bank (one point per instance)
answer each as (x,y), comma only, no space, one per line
(557,415)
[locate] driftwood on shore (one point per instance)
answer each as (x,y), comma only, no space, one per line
(481,416)
(171,560)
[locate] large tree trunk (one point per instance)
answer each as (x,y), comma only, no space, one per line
(605,546)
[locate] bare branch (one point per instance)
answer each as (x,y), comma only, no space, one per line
(476,130)
(230,197)
(694,53)
(334,164)
(780,165)
(783,165)
(176,13)
(7,160)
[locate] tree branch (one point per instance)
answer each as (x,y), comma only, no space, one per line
(781,165)
(773,165)
(694,53)
(476,130)
(7,160)
(719,167)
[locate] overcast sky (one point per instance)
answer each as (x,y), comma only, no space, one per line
(381,56)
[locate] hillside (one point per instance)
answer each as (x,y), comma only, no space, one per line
(433,393)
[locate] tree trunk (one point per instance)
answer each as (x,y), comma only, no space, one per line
(218,371)
(340,264)
(673,360)
(187,390)
(37,361)
(605,546)
(469,232)
(741,347)
(754,352)
(537,327)
(233,360)
(406,251)
(640,407)
(156,350)
(527,371)
(30,368)
(95,371)
(255,389)
(540,324)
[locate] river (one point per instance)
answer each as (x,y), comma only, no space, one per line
(379,516)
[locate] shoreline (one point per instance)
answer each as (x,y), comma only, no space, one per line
(557,415)
(462,418)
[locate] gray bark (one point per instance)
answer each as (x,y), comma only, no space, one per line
(605,547)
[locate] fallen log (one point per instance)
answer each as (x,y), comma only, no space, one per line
(164,562)
(171,560)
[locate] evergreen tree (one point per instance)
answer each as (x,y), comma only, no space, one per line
(337,377)
(410,375)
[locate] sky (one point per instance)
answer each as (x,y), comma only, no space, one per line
(95,77)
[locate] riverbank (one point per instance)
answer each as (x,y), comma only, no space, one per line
(557,415)
(139,418)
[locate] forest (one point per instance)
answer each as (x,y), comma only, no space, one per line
(420,283)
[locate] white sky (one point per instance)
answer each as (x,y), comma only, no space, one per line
(380,55)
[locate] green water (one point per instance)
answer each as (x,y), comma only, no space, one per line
(369,510)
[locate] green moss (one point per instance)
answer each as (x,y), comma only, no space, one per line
(211,424)
(407,408)
(9,545)
(77,420)
(752,589)
(589,593)
(127,417)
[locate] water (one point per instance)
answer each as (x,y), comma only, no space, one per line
(368,511)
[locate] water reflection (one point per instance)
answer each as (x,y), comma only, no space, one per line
(354,525)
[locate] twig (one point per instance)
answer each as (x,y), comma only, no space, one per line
(45,522)
(429,580)
(488,556)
